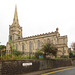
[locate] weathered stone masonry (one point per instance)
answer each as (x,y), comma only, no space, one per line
(12,67)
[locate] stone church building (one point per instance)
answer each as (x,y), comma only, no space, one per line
(33,43)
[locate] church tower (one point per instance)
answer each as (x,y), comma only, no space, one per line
(15,31)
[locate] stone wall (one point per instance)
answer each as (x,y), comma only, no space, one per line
(73,62)
(12,67)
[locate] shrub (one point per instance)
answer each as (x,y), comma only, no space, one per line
(49,48)
(64,56)
(71,55)
(17,53)
(38,53)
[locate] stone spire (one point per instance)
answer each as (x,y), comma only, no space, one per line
(15,20)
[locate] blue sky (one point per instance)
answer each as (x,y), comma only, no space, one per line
(38,16)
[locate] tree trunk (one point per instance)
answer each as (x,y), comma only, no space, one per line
(44,55)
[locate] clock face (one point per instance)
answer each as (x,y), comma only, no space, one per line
(12,28)
(15,32)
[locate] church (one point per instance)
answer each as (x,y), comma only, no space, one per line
(31,44)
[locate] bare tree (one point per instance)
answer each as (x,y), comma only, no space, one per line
(73,46)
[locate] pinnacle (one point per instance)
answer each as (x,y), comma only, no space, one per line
(15,20)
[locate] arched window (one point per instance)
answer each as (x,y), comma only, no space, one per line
(10,37)
(23,48)
(16,46)
(30,46)
(38,44)
(18,37)
(48,41)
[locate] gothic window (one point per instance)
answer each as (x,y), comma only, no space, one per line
(16,47)
(18,37)
(10,37)
(38,44)
(30,46)
(23,48)
(48,41)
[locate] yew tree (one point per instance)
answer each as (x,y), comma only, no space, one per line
(49,48)
(73,46)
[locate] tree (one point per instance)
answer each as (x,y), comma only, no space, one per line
(48,49)
(2,47)
(70,54)
(73,46)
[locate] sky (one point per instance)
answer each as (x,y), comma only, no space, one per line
(37,17)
